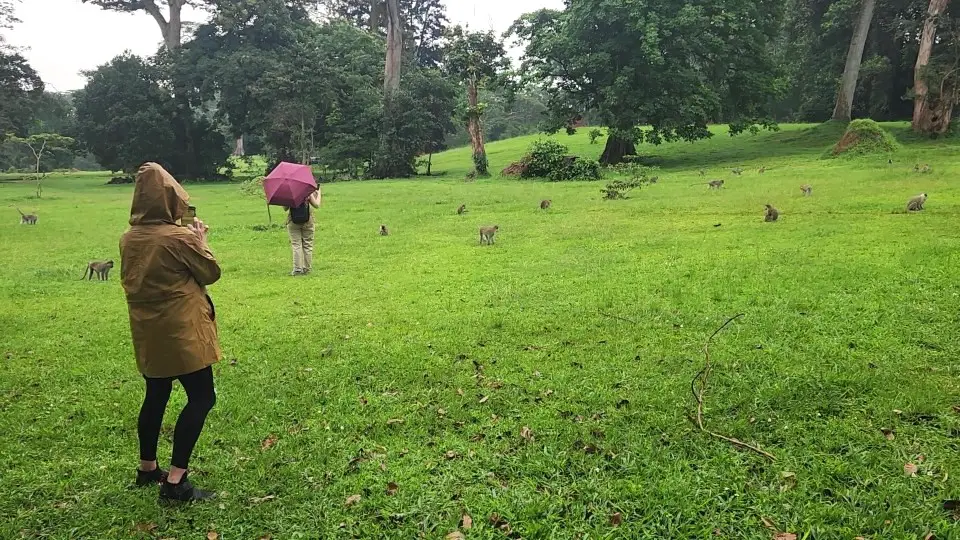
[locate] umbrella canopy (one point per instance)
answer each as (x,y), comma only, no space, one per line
(289,184)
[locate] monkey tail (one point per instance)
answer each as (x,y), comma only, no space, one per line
(21,212)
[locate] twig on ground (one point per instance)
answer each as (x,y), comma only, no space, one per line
(700,391)
(624,319)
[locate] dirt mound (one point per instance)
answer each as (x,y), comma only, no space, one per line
(517,168)
(864,137)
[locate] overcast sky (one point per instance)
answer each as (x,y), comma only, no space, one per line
(63,37)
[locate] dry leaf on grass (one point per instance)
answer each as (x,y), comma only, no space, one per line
(268,442)
(145,527)
(526,433)
(455,535)
(459,391)
(466,522)
(441,412)
(352,500)
(788,480)
(616,519)
(394,421)
(768,524)
(392,488)
(266,537)
(213,535)
(258,500)
(909,469)
(451,454)
(785,536)
(484,399)
(929,536)
(956,409)
(888,433)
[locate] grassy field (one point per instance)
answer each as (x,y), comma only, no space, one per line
(544,380)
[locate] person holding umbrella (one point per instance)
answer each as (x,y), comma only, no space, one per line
(293,186)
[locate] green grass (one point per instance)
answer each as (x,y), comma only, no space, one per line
(851,315)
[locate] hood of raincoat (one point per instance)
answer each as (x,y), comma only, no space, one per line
(157,197)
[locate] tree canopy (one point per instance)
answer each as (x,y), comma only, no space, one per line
(672,66)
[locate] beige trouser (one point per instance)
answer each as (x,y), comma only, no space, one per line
(301,238)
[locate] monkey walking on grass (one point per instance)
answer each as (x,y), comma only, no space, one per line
(772,214)
(714,184)
(100,268)
(27,219)
(384,231)
(916,203)
(807,190)
(487,234)
(461,210)
(545,204)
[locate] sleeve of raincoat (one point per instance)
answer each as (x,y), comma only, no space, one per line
(199,260)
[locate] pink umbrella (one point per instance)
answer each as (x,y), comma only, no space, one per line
(289,184)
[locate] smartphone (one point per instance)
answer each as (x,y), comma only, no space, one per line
(189,216)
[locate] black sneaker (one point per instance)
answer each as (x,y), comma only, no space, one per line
(183,492)
(150,478)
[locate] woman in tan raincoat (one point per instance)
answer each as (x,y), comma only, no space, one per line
(165,269)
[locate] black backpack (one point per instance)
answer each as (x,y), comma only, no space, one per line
(300,214)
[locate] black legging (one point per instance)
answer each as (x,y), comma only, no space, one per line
(200,399)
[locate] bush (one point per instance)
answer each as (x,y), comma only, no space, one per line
(544,157)
(864,137)
(578,169)
(549,159)
(595,134)
(253,187)
(637,176)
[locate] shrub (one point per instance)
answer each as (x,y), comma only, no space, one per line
(549,159)
(637,176)
(577,169)
(253,187)
(595,134)
(544,157)
(864,137)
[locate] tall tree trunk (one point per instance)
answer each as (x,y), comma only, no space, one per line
(391,75)
(923,113)
(429,162)
(475,129)
(238,148)
(172,26)
(851,72)
(617,146)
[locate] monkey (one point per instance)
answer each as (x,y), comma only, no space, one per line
(772,214)
(916,203)
(916,168)
(925,169)
(890,161)
(545,204)
(654,180)
(487,234)
(703,172)
(761,170)
(384,231)
(714,184)
(100,268)
(27,219)
(807,190)
(462,209)
(738,171)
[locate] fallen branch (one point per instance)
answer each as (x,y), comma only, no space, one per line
(700,391)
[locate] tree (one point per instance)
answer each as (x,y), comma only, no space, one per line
(425,22)
(20,90)
(124,119)
(672,66)
(41,145)
(391,74)
(851,71)
(930,115)
(171,25)
(478,59)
